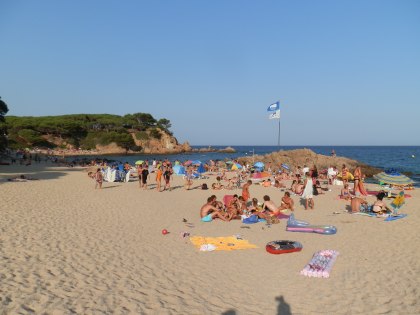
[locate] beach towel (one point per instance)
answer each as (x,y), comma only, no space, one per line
(222,243)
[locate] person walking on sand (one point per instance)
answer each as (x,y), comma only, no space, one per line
(98,179)
(158,177)
(245,190)
(308,192)
(144,174)
(167,177)
(139,173)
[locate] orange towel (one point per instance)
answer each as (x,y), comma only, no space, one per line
(222,243)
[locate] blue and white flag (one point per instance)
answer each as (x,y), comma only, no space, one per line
(273,107)
(275,115)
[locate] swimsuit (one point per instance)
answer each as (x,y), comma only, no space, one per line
(207,218)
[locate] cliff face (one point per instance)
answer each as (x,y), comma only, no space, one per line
(165,145)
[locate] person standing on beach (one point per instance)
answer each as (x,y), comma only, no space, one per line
(359,188)
(98,179)
(188,179)
(344,174)
(245,190)
(308,192)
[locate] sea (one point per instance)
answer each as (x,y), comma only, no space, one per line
(404,159)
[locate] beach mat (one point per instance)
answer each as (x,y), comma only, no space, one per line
(222,243)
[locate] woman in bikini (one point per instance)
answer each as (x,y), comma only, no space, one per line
(359,188)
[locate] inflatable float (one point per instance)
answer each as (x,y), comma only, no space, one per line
(283,247)
(321,264)
(294,225)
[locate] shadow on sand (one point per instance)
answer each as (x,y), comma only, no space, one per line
(283,308)
(35,171)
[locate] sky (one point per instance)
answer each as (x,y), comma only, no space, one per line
(345,72)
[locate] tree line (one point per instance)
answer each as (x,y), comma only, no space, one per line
(83,131)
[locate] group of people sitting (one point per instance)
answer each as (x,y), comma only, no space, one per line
(238,208)
(379,207)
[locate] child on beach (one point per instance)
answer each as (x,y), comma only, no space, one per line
(308,192)
(345,192)
(188,179)
(98,179)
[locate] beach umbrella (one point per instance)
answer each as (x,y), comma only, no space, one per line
(196,162)
(201,169)
(393,178)
(259,165)
(139,162)
(285,166)
(236,166)
(186,163)
(229,162)
(179,170)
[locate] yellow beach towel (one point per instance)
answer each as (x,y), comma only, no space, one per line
(222,243)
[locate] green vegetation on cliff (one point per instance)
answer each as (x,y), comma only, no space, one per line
(3,110)
(83,130)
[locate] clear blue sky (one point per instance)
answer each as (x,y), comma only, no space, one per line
(345,72)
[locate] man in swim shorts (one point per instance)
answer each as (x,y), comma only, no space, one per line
(358,205)
(208,212)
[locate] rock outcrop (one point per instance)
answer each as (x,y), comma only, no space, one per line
(166,144)
(301,157)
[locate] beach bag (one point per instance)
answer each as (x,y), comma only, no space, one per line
(251,220)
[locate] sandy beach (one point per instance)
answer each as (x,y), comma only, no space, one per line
(66,248)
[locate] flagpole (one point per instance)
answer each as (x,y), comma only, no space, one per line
(278,139)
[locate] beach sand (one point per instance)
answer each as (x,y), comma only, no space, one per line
(66,248)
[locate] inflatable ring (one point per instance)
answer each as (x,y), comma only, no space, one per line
(283,247)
